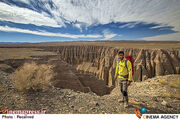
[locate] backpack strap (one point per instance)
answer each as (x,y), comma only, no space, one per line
(126,64)
(118,63)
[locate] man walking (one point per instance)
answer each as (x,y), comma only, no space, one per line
(123,74)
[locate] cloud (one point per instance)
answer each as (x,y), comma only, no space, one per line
(100,12)
(166,37)
(58,13)
(107,11)
(108,35)
(78,26)
(23,1)
(129,25)
(24,16)
(44,33)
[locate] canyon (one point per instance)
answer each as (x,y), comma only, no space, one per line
(84,76)
(101,61)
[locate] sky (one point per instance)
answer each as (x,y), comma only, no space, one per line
(89,20)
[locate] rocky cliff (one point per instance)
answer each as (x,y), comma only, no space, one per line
(101,61)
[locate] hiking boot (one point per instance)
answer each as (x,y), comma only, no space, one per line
(126,105)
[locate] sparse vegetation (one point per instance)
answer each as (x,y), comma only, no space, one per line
(31,76)
(1,89)
(175,83)
(22,53)
(176,95)
(163,81)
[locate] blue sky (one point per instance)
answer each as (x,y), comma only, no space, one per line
(74,20)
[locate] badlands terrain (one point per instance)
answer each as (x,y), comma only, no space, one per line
(83,80)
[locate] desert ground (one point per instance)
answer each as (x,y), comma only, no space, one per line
(78,77)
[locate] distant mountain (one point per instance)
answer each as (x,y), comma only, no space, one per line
(13,42)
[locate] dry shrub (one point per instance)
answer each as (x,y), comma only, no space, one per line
(32,77)
(175,83)
(172,83)
(163,81)
(1,89)
(171,95)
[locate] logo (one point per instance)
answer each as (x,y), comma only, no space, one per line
(139,112)
(4,111)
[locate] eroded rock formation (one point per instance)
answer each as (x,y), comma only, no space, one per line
(101,61)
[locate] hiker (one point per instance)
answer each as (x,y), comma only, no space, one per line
(123,75)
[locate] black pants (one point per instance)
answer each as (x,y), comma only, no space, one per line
(124,89)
